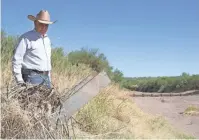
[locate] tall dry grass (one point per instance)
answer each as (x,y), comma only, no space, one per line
(62,80)
(112,114)
(20,123)
(17,122)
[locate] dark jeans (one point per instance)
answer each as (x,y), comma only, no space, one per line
(36,79)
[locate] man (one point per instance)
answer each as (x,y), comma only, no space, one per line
(31,62)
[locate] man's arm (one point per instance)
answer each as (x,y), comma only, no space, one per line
(17,60)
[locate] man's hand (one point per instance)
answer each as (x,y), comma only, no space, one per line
(22,84)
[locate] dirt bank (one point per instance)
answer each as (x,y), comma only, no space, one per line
(171,108)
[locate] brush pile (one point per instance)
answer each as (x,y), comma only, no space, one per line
(26,112)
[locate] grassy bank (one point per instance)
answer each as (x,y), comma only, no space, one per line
(112,114)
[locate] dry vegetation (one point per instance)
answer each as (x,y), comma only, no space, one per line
(192,110)
(27,112)
(112,114)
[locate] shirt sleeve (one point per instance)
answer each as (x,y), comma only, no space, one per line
(17,59)
(49,75)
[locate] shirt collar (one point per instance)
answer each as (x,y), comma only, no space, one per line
(39,34)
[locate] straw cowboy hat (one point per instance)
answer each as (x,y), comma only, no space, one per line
(43,17)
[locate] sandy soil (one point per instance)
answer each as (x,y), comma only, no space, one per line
(171,108)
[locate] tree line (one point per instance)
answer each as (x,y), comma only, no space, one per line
(163,84)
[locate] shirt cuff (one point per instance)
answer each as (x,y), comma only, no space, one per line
(49,76)
(19,78)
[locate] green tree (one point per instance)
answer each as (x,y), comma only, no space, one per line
(117,76)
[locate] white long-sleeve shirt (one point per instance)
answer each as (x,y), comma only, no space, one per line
(33,51)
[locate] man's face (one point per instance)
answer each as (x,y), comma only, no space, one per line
(41,28)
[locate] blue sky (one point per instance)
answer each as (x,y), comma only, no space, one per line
(139,37)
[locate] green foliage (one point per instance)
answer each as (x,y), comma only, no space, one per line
(59,59)
(163,84)
(118,76)
(7,48)
(97,61)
